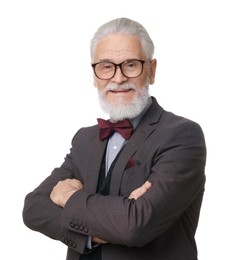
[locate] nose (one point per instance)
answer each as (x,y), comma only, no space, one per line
(119,77)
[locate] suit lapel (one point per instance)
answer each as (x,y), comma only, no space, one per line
(147,125)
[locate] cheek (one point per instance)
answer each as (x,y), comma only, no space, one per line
(100,84)
(141,82)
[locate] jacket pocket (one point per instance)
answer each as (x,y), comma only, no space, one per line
(132,179)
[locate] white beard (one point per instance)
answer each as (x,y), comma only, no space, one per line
(119,111)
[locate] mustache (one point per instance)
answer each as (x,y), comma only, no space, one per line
(117,87)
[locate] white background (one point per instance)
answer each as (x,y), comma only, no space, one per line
(47,94)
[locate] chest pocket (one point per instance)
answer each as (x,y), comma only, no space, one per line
(132,179)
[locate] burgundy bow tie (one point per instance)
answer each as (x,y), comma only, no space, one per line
(107,128)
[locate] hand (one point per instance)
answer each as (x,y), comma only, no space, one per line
(64,190)
(98,240)
(140,191)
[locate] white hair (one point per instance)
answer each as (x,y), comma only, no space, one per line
(127,27)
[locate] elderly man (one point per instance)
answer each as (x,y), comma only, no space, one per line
(132,186)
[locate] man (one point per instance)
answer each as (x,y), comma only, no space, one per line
(127,189)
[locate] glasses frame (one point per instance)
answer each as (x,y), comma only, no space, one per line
(117,65)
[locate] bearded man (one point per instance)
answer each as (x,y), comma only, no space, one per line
(132,186)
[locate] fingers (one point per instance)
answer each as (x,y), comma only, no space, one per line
(147,185)
(68,185)
(73,183)
(98,240)
(140,191)
(63,190)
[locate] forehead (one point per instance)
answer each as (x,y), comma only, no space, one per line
(118,47)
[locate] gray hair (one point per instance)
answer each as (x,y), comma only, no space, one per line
(127,27)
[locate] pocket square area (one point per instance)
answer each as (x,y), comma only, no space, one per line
(131,163)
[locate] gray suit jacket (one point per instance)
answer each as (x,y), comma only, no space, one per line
(165,149)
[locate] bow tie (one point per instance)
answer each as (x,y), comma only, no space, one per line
(107,128)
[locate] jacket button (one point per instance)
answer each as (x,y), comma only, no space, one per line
(77,227)
(81,228)
(72,225)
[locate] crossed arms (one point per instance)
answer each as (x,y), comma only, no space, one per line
(66,188)
(62,206)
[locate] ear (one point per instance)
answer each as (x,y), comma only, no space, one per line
(153,65)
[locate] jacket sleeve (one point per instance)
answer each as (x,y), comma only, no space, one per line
(42,215)
(177,177)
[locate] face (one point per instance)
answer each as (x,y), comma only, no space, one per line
(121,90)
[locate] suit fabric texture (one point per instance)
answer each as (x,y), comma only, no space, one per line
(165,149)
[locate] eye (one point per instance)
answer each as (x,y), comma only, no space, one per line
(131,65)
(106,66)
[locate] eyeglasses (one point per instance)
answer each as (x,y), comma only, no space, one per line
(107,70)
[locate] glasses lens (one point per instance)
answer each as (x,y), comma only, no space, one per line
(104,70)
(132,68)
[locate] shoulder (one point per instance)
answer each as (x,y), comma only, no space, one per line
(175,122)
(169,121)
(178,131)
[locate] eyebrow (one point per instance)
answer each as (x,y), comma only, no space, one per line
(105,60)
(108,60)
